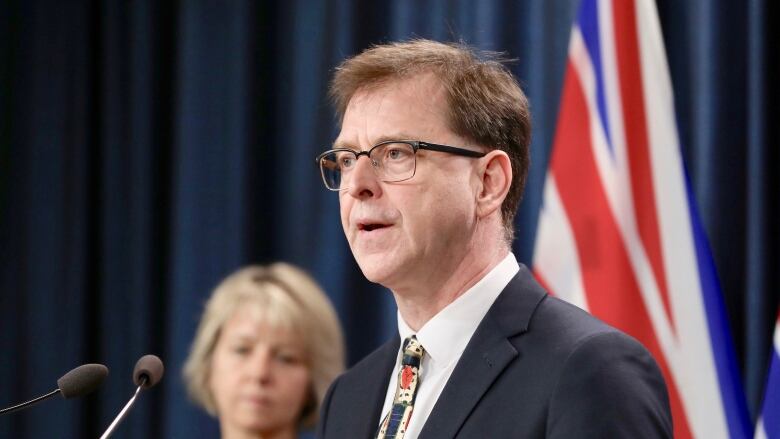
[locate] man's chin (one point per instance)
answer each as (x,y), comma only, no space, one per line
(377,269)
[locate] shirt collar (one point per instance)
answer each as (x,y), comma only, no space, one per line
(445,336)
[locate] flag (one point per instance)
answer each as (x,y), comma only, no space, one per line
(619,233)
(769,422)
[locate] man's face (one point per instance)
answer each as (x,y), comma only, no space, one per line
(407,233)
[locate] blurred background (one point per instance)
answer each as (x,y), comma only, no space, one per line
(149,148)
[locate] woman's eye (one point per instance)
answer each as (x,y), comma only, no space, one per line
(288,358)
(240,350)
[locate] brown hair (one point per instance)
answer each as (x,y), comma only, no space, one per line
(486,104)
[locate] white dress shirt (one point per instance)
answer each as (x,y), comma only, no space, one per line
(444,338)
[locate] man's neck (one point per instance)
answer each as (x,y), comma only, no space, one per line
(420,303)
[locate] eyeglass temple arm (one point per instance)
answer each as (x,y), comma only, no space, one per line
(449,149)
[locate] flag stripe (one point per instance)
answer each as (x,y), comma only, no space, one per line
(589,24)
(631,90)
(560,260)
(771,411)
(733,399)
(769,422)
(608,277)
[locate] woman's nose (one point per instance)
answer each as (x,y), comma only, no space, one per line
(261,366)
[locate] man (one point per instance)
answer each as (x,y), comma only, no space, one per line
(429,167)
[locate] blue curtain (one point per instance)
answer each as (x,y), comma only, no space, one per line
(148,149)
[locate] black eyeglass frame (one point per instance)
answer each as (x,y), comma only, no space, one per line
(415,144)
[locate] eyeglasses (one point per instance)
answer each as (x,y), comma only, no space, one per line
(392,161)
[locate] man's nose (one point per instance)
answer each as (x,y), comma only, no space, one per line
(364,182)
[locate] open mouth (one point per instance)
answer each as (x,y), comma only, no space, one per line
(371,227)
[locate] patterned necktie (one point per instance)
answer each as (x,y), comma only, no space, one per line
(397,419)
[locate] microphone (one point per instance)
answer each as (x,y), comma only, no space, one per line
(78,382)
(148,371)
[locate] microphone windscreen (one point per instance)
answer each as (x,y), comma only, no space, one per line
(82,380)
(149,366)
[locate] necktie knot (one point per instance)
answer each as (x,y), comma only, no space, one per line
(413,352)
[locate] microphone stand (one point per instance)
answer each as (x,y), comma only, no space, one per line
(30,402)
(124,411)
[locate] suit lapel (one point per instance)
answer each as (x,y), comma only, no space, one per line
(486,356)
(482,362)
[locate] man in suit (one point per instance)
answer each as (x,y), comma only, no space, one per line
(429,167)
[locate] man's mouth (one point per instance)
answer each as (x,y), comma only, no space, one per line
(369,227)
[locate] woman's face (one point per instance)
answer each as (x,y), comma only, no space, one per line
(259,377)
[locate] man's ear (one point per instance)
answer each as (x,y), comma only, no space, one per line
(496,179)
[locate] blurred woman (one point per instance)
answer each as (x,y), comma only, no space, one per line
(268,346)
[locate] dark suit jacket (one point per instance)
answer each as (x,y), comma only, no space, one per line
(535,367)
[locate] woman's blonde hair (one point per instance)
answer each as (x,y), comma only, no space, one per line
(283,296)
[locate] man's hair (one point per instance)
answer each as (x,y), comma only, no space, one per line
(485,102)
(282,296)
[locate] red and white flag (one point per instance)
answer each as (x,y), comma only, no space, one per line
(618,231)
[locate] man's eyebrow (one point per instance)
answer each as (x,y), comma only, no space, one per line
(396,136)
(383,138)
(339,144)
